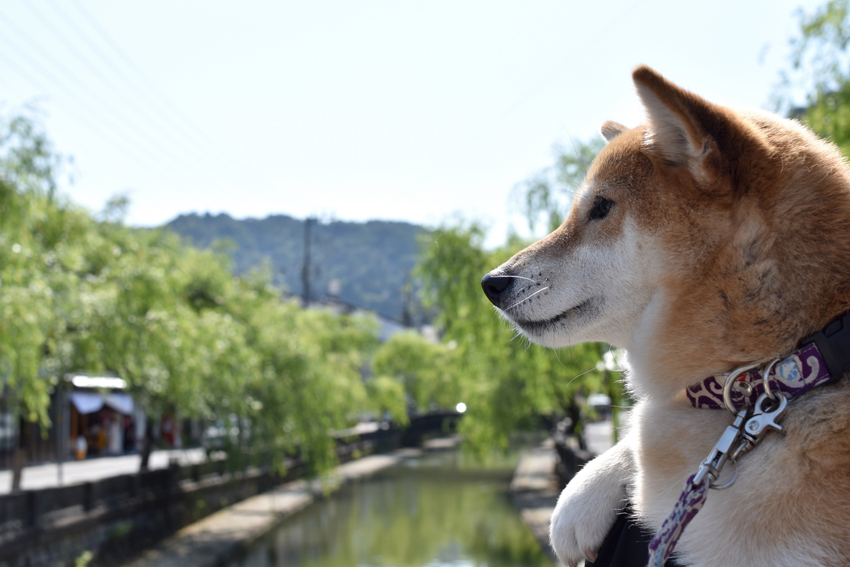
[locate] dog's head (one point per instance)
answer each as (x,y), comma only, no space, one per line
(703,239)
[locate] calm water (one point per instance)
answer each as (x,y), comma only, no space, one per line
(438,511)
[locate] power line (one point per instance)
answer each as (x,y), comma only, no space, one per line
(134,90)
(135,133)
(89,65)
(168,104)
(61,37)
(56,81)
(21,71)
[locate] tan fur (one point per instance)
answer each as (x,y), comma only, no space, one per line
(730,239)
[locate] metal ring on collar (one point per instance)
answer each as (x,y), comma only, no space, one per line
(726,484)
(766,380)
(727,387)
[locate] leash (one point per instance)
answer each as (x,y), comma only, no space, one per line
(757,396)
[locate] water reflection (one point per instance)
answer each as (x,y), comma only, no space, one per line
(434,512)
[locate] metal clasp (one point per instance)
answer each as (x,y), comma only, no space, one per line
(762,421)
(713,464)
(748,429)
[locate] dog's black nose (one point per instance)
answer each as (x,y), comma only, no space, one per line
(494,286)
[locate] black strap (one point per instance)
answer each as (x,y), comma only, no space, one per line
(833,343)
(626,545)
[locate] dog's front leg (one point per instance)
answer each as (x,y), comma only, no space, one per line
(588,506)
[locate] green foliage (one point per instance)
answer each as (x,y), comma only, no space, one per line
(32,230)
(425,370)
(505,382)
(387,395)
(544,198)
(81,295)
(820,68)
(819,51)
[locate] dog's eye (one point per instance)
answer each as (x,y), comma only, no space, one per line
(601,208)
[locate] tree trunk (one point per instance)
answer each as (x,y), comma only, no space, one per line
(147,445)
(574,413)
(19,458)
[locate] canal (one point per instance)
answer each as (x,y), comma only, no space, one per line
(439,510)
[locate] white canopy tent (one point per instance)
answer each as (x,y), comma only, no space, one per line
(90,402)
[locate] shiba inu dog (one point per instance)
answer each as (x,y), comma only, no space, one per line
(704,240)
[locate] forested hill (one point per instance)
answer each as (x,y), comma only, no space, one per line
(370,261)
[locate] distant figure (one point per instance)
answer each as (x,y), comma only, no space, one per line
(129,435)
(99,439)
(81,447)
(115,435)
(168,431)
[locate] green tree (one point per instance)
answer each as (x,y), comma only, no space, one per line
(545,197)
(424,370)
(505,382)
(310,379)
(84,295)
(820,68)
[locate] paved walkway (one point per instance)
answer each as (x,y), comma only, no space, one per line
(215,538)
(73,472)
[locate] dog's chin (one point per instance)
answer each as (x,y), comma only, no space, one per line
(561,330)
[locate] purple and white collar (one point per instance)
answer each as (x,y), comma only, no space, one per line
(793,376)
(823,358)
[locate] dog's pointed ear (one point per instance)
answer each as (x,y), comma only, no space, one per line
(611,130)
(680,122)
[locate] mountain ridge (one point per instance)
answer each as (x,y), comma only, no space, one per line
(366,264)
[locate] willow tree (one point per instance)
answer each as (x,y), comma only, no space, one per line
(820,69)
(423,369)
(79,294)
(545,197)
(505,382)
(27,207)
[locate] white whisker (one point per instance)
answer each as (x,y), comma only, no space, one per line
(527,298)
(558,357)
(580,375)
(519,277)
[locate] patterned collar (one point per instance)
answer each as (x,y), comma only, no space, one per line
(823,358)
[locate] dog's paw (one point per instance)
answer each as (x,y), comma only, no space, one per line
(583,517)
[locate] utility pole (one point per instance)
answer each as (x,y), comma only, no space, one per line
(407,301)
(305,270)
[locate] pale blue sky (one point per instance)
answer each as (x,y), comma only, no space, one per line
(359,110)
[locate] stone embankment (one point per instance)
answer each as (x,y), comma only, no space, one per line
(544,471)
(109,520)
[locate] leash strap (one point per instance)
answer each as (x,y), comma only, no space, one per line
(666,538)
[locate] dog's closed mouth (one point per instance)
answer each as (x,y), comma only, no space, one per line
(542,325)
